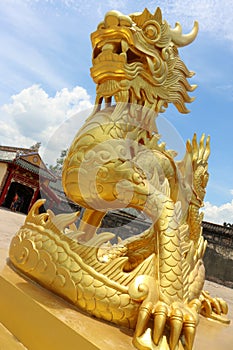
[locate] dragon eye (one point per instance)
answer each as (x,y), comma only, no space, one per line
(151,31)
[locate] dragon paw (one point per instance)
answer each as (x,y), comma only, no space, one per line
(214,308)
(167,327)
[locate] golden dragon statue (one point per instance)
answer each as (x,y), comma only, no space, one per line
(151,282)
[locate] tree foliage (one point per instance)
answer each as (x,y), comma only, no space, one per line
(59,162)
(36,146)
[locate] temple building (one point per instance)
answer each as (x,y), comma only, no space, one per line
(24,178)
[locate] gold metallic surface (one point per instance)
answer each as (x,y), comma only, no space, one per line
(151,282)
(8,341)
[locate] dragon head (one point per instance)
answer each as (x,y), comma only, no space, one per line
(136,60)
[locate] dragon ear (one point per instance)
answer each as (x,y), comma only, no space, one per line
(158,15)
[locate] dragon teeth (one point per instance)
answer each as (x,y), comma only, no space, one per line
(124,46)
(107,47)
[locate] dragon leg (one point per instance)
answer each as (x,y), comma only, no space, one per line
(90,222)
(170,255)
(174,317)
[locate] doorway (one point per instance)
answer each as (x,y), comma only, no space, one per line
(18,197)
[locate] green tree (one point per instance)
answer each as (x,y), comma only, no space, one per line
(36,146)
(59,162)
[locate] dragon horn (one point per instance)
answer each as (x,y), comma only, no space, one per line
(180,39)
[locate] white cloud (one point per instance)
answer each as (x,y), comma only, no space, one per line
(219,214)
(35,116)
(29,45)
(231,192)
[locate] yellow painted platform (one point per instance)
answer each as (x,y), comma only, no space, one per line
(8,341)
(43,321)
(40,320)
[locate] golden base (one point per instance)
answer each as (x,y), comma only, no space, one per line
(41,320)
(8,340)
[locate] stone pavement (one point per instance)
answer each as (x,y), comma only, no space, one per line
(10,222)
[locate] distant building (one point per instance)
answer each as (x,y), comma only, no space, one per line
(24,178)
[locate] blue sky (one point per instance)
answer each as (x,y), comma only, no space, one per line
(45,57)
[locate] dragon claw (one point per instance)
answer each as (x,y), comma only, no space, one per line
(174,325)
(214,308)
(189,330)
(223,305)
(143,318)
(160,317)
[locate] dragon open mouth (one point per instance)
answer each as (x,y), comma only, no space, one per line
(115,65)
(114,59)
(119,51)
(120,70)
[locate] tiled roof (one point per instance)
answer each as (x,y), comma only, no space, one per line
(57,186)
(7,156)
(35,169)
(217,228)
(208,226)
(15,155)
(21,150)
(50,193)
(133,213)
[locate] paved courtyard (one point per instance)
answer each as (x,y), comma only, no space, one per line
(10,222)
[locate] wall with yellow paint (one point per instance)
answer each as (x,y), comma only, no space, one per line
(3,169)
